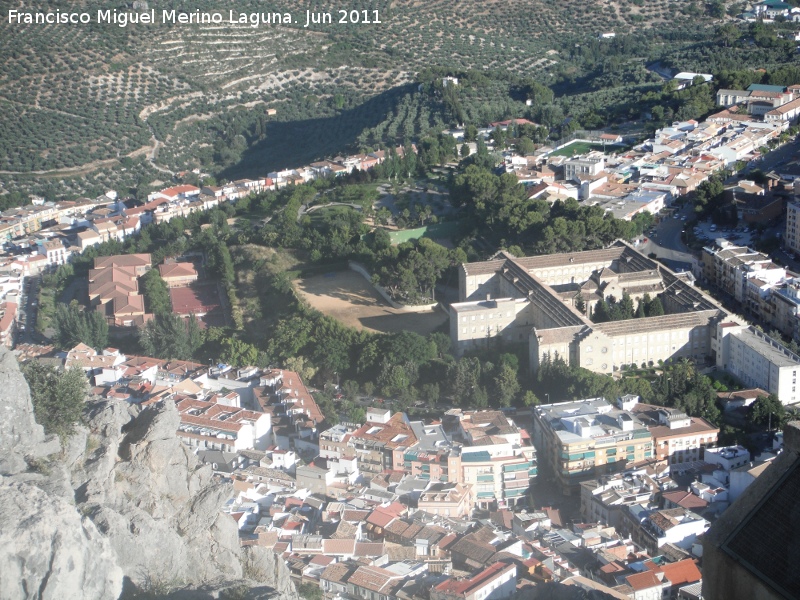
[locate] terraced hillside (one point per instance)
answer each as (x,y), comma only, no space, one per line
(86,107)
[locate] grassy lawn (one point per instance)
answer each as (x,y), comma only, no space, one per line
(576,148)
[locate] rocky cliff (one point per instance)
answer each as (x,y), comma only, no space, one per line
(123,510)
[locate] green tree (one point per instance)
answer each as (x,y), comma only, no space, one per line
(237,353)
(430,393)
(156,293)
(530,399)
(655,308)
(58,397)
(768,409)
(506,385)
(580,304)
(310,591)
(170,336)
(75,326)
(356,414)
(728,34)
(350,389)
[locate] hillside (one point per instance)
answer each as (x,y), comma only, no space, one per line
(88,107)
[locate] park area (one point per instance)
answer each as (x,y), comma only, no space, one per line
(349,298)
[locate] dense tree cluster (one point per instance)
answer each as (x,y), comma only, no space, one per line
(74,326)
(155,292)
(170,336)
(610,309)
(497,208)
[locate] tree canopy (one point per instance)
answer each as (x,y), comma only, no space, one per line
(75,326)
(58,396)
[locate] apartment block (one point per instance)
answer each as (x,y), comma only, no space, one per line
(604,500)
(588,438)
(729,268)
(791,237)
(677,437)
(758,360)
(377,440)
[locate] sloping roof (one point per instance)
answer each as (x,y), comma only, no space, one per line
(681,572)
(380,518)
(183,269)
(643,581)
(347,546)
(373,578)
(685,499)
(123,260)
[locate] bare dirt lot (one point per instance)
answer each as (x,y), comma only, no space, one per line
(347,297)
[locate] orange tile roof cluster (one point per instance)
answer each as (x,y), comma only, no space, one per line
(179,190)
(114,288)
(217,416)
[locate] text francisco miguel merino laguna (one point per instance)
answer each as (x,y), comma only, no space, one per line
(175,17)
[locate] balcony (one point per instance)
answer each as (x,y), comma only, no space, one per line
(516,467)
(489,477)
(516,484)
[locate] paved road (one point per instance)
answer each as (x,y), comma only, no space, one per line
(26,315)
(776,157)
(667,242)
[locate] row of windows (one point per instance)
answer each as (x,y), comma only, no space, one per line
(491,316)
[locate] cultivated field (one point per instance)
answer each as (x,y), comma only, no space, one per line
(347,297)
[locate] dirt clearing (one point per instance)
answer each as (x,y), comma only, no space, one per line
(347,297)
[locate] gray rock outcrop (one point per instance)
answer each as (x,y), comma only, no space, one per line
(124,507)
(20,434)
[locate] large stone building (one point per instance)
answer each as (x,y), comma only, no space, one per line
(534,300)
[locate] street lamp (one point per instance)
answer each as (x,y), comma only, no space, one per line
(548,397)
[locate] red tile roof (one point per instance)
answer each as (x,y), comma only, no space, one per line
(643,581)
(682,572)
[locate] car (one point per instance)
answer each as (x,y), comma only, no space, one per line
(683,218)
(33,303)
